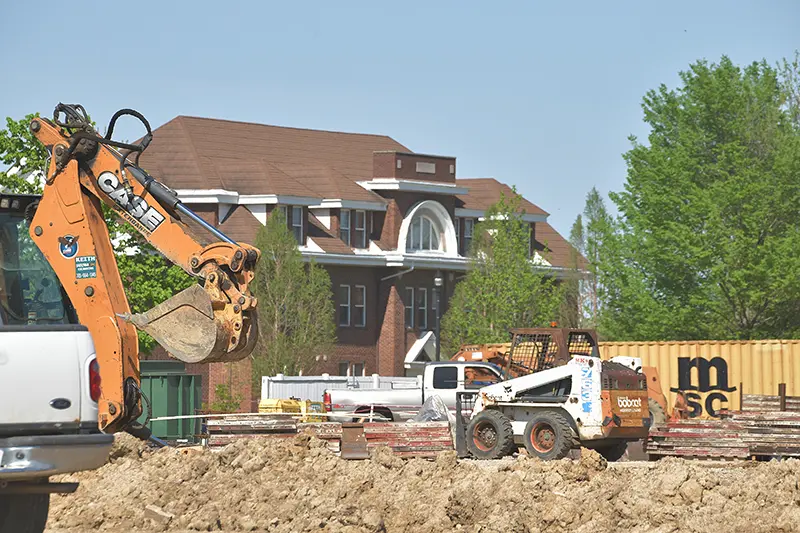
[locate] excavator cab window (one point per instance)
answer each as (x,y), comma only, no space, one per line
(30,292)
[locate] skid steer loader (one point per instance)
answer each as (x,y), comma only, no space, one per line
(586,402)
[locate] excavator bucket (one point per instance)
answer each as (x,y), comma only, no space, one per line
(190,329)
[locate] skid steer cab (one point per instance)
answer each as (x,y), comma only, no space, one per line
(587,402)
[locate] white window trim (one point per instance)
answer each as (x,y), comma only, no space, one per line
(347,372)
(363,228)
(423,290)
(342,227)
(345,305)
(411,305)
(363,305)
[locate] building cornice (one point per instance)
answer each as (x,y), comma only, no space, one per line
(429,187)
(340,203)
(222,196)
(426,261)
(480,215)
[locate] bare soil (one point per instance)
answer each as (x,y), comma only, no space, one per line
(297,485)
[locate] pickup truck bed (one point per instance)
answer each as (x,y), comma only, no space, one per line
(443,379)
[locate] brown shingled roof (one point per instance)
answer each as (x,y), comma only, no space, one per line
(240,225)
(203,153)
(327,182)
(325,239)
(557,250)
(485,192)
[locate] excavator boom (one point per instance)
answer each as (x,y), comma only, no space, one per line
(211,321)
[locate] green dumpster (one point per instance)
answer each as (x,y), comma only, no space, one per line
(172,392)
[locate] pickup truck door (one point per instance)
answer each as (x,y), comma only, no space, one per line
(42,376)
(444,381)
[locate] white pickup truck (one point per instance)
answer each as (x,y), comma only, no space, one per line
(401,402)
(49,380)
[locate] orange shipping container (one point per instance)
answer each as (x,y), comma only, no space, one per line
(714,374)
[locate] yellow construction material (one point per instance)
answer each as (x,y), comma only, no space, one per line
(714,374)
(307,410)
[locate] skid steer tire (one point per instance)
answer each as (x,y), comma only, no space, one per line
(548,436)
(23,513)
(490,435)
(657,415)
(614,452)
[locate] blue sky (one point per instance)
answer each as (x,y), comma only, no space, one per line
(542,95)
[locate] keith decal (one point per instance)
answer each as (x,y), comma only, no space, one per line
(86,267)
(136,206)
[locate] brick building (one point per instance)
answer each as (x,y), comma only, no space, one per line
(383,220)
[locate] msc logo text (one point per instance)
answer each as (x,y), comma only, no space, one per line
(693,389)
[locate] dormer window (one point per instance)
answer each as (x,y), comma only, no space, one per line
(424,234)
(297,223)
(344,226)
(360,229)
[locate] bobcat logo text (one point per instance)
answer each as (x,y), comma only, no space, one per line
(629,404)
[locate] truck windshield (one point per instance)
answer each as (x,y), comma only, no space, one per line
(30,292)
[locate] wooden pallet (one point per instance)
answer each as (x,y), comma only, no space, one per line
(405,439)
(738,434)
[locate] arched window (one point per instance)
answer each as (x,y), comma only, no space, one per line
(428,228)
(424,234)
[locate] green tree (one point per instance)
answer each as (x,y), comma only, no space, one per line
(295,305)
(504,287)
(707,240)
(156,279)
(574,303)
(224,400)
(24,157)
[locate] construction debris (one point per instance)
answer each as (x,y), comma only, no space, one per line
(158,515)
(297,485)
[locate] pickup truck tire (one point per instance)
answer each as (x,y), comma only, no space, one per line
(548,436)
(378,415)
(23,513)
(490,435)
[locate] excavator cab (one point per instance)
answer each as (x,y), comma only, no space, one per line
(30,292)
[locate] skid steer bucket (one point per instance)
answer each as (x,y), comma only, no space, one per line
(190,330)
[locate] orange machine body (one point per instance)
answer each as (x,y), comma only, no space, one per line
(71,232)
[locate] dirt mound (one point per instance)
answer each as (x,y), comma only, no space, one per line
(127,446)
(297,485)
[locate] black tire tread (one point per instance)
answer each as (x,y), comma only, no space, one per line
(23,513)
(659,416)
(505,435)
(564,435)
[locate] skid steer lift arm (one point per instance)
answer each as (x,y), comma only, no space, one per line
(211,321)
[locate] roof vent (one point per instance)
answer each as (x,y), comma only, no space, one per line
(426,168)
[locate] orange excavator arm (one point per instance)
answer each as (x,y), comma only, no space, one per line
(211,321)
